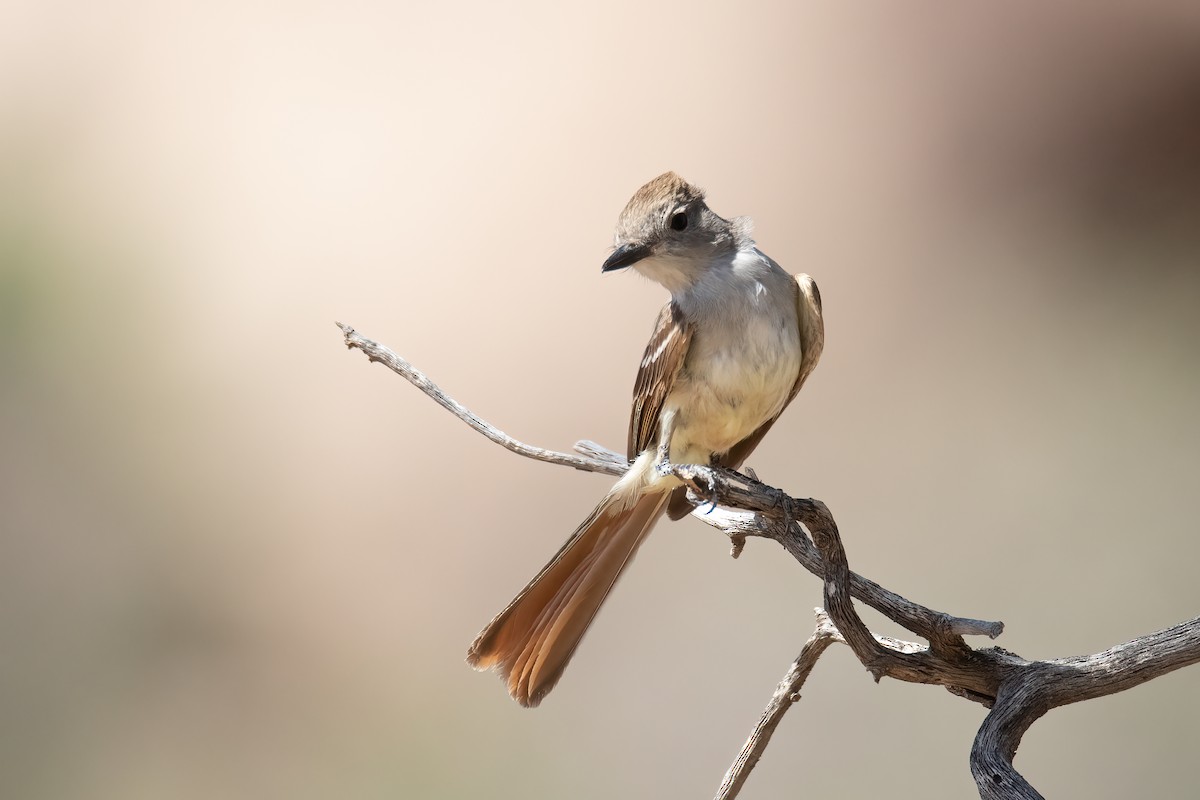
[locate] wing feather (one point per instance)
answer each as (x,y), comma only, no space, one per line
(660,365)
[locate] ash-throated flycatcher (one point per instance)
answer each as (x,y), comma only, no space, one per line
(730,350)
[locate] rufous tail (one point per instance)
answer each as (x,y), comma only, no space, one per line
(530,642)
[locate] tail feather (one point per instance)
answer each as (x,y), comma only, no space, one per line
(531,641)
(523,670)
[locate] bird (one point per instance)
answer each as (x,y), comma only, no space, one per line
(728,353)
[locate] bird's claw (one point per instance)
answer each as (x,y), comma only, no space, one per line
(715,484)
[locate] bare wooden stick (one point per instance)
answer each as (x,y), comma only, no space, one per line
(1018,691)
(377,352)
(786,693)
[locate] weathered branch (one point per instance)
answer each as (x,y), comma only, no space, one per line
(1017,691)
(1021,691)
(786,693)
(773,509)
(377,352)
(1040,686)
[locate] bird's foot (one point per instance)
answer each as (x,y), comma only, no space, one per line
(702,481)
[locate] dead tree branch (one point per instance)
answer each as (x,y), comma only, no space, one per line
(377,352)
(1017,691)
(786,693)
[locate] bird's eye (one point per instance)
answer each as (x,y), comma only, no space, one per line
(679,221)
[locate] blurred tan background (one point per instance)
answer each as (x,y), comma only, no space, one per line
(237,561)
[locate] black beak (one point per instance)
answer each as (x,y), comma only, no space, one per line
(624,256)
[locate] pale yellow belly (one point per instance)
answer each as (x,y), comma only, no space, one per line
(734,399)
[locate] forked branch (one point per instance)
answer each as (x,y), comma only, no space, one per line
(1017,691)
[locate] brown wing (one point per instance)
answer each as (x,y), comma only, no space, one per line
(656,376)
(812,342)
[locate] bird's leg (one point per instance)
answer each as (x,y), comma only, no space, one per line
(666,432)
(688,473)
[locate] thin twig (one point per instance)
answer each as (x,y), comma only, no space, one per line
(377,352)
(786,693)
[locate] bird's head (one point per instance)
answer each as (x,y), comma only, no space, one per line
(669,234)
